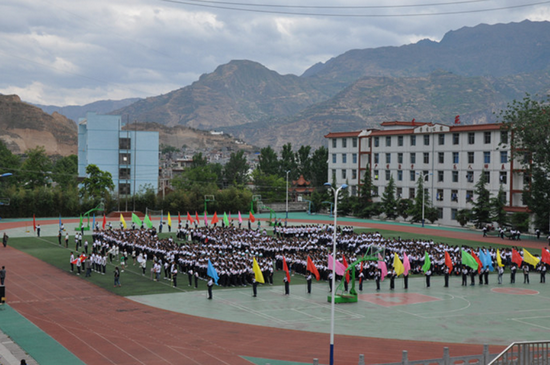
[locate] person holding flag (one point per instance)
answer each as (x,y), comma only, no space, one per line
(286,278)
(427,268)
(213,278)
(258,277)
(398,268)
(406,269)
(500,267)
(311,270)
(448,268)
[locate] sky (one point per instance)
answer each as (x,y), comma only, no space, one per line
(74,52)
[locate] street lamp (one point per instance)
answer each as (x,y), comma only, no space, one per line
(332,299)
(287,195)
(423,175)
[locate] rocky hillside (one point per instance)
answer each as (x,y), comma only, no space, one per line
(23,126)
(75,112)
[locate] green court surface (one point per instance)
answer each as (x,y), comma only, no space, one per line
(486,314)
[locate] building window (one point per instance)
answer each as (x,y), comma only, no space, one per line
(441,157)
(412,175)
(503,177)
(353,190)
(439,196)
(469,196)
(413,157)
(503,157)
(344,158)
(399,175)
(487,137)
(455,138)
(426,157)
(441,139)
(375,174)
(471,138)
(454,211)
(455,176)
(411,193)
(504,137)
(124,159)
(440,176)
(333,174)
(376,141)
(455,157)
(124,144)
(388,141)
(344,174)
(426,140)
(426,175)
(354,157)
(487,176)
(354,174)
(344,142)
(124,189)
(400,141)
(440,213)
(454,195)
(334,142)
(470,176)
(124,173)
(388,175)
(376,158)
(400,157)
(354,142)
(388,157)
(413,140)
(487,157)
(470,157)
(334,158)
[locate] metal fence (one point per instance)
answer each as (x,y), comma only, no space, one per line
(524,353)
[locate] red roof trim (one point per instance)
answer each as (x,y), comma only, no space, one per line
(343,134)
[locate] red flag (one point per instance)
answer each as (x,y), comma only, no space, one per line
(346,265)
(214,218)
(197,217)
(545,257)
(104,221)
(285,268)
(516,257)
(34,222)
(312,268)
(412,123)
(479,264)
(251,218)
(448,261)
(179,217)
(457,119)
(189,218)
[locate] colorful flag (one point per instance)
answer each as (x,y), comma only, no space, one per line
(179,217)
(169,220)
(104,222)
(93,223)
(205,219)
(189,219)
(60,221)
(468,260)
(427,262)
(398,265)
(383,268)
(251,217)
(340,269)
(215,218)
(240,218)
(530,259)
(486,260)
(147,221)
(34,222)
(196,217)
(80,224)
(285,268)
(122,221)
(257,272)
(345,263)
(499,259)
(136,220)
(479,264)
(545,256)
(516,257)
(406,264)
(448,261)
(225,219)
(211,271)
(312,268)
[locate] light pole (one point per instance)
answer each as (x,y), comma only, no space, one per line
(287,195)
(423,176)
(332,299)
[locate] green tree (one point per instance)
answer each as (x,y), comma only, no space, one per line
(389,202)
(498,214)
(319,167)
(422,195)
(288,162)
(9,163)
(272,188)
(303,162)
(537,198)
(199,160)
(98,183)
(36,169)
(463,216)
(200,176)
(65,171)
(268,163)
(236,169)
(481,210)
(403,207)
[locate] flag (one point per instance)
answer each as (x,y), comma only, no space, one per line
(80,224)
(196,217)
(486,260)
(312,268)
(468,260)
(169,220)
(205,219)
(60,221)
(251,217)
(427,262)
(147,221)
(189,218)
(499,259)
(345,263)
(545,256)
(215,218)
(240,218)
(225,219)
(136,220)
(179,217)
(530,259)
(285,268)
(516,257)
(448,261)
(383,268)
(257,272)
(93,223)
(104,221)
(34,222)
(398,265)
(479,264)
(122,221)
(406,264)
(211,271)
(340,269)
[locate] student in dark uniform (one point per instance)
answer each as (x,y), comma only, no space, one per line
(38,230)
(464,276)
(308,279)
(287,285)
(486,275)
(361,278)
(525,274)
(392,279)
(254,287)
(405,281)
(190,276)
(472,277)
(210,284)
(330,281)
(446,272)
(377,275)
(542,272)
(513,269)
(428,276)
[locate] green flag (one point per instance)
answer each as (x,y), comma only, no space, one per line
(427,262)
(148,222)
(80,225)
(225,220)
(469,260)
(136,220)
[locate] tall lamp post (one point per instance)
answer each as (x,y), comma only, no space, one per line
(423,176)
(332,299)
(287,195)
